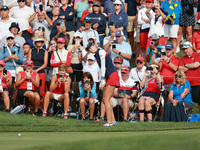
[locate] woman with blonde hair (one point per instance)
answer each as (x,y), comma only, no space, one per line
(179,99)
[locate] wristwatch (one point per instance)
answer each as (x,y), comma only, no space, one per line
(119,53)
(168,62)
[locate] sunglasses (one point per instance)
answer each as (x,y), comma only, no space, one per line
(117,63)
(21,0)
(10,38)
(4,7)
(139,62)
(29,63)
(90,2)
(1,66)
(117,5)
(177,76)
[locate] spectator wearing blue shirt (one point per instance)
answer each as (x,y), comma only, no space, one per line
(98,21)
(153,51)
(119,18)
(121,48)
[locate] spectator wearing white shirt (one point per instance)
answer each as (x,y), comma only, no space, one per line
(22,13)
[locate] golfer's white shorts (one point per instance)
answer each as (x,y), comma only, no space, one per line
(172,30)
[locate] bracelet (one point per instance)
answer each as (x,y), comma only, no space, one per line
(119,53)
(168,62)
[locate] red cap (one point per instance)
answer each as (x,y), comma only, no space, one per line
(29,63)
(117,60)
(151,1)
(61,40)
(2,63)
(140,58)
(125,69)
(90,1)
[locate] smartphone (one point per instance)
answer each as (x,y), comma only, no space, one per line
(159,49)
(115,41)
(35,7)
(163,53)
(28,73)
(87,82)
(152,43)
(113,46)
(4,71)
(52,44)
(13,53)
(61,76)
(41,7)
(149,68)
(111,24)
(62,23)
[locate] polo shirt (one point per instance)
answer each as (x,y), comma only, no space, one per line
(128,85)
(137,75)
(132,4)
(167,72)
(196,39)
(148,51)
(94,70)
(81,8)
(22,15)
(193,75)
(124,47)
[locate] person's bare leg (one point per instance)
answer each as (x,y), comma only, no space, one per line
(131,40)
(141,107)
(174,40)
(125,107)
(6,99)
(92,107)
(178,41)
(189,33)
(66,102)
(148,103)
(103,110)
(37,101)
(47,98)
(82,106)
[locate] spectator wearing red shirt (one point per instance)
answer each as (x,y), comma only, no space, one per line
(5,84)
(190,65)
(196,39)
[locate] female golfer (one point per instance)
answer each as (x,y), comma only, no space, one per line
(109,72)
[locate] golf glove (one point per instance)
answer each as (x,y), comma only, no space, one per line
(103,82)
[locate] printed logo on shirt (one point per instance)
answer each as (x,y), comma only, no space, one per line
(120,18)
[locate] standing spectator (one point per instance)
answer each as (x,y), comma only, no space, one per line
(67,14)
(122,48)
(196,39)
(5,84)
(14,29)
(144,21)
(87,11)
(119,18)
(22,13)
(137,73)
(79,8)
(39,56)
(43,21)
(55,13)
(186,20)
(98,21)
(190,65)
(171,26)
(60,56)
(131,10)
(5,21)
(27,81)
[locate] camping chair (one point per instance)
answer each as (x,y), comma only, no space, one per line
(57,107)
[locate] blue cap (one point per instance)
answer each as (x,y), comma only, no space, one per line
(169,46)
(89,45)
(119,33)
(87,19)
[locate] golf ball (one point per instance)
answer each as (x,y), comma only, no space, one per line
(19,134)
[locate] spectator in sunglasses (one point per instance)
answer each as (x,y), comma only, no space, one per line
(179,99)
(118,61)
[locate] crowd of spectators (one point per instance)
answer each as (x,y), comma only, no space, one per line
(44,51)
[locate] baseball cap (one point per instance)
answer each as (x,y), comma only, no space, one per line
(10,35)
(90,56)
(4,8)
(154,36)
(2,63)
(125,69)
(151,1)
(89,45)
(41,28)
(39,39)
(78,34)
(187,44)
(29,63)
(87,19)
(140,58)
(119,33)
(117,2)
(14,24)
(169,46)
(90,1)
(117,60)
(96,3)
(61,40)
(91,36)
(198,22)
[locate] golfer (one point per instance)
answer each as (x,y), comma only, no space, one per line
(109,72)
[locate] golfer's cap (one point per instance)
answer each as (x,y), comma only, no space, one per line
(125,69)
(187,44)
(2,63)
(169,46)
(61,40)
(39,40)
(29,63)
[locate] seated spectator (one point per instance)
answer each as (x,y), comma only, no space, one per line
(121,48)
(44,22)
(5,84)
(154,50)
(87,11)
(151,85)
(14,29)
(138,72)
(27,81)
(179,99)
(59,90)
(60,56)
(196,39)
(125,93)
(87,89)
(119,18)
(118,61)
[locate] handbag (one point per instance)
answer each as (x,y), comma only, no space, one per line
(69,68)
(18,69)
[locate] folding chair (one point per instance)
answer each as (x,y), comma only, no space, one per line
(57,107)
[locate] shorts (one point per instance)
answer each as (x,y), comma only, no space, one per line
(195,92)
(48,74)
(153,95)
(113,80)
(118,101)
(131,24)
(77,70)
(172,30)
(56,96)
(21,92)
(5,89)
(143,39)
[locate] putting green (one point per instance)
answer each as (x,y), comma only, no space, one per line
(156,140)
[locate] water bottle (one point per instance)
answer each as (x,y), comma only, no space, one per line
(77,115)
(17,110)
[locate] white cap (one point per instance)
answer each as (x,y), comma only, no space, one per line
(39,39)
(187,44)
(198,21)
(91,36)
(10,35)
(78,34)
(117,2)
(91,56)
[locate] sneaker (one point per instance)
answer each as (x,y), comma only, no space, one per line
(44,114)
(65,117)
(35,114)
(177,49)
(101,119)
(125,120)
(114,123)
(106,124)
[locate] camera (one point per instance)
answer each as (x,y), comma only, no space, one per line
(41,7)
(163,53)
(113,46)
(149,68)
(13,53)
(111,24)
(62,23)
(28,73)
(87,82)
(115,41)
(152,43)
(52,44)
(4,71)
